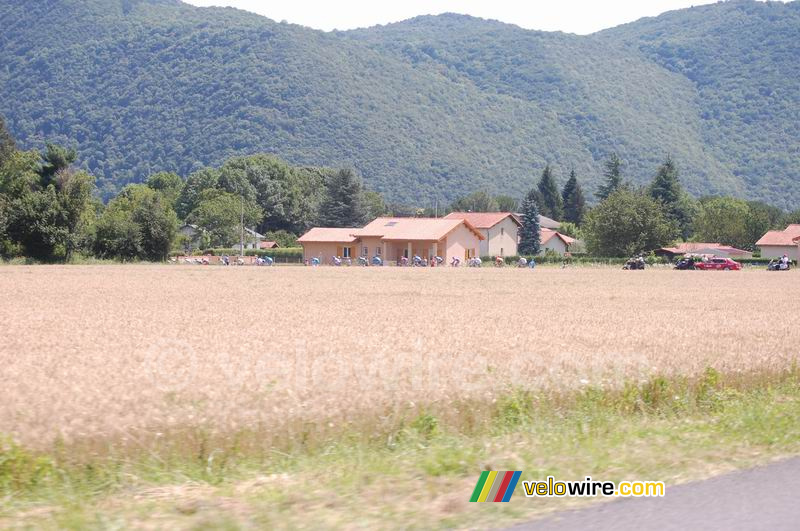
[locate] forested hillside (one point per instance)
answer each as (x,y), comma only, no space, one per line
(427,109)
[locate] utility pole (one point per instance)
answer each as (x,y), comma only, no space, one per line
(241,237)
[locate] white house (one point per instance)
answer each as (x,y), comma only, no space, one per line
(776,243)
(555,241)
(500,230)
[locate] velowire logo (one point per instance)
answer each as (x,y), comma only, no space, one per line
(495,486)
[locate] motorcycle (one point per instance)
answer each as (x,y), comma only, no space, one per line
(634,263)
(685,264)
(778,265)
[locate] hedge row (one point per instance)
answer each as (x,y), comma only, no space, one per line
(558,259)
(280,255)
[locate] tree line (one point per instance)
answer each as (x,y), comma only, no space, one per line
(628,219)
(49,211)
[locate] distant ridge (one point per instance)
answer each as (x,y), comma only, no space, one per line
(425,109)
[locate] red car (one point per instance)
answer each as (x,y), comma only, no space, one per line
(724,264)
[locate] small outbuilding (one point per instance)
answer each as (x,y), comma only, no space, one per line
(776,243)
(554,241)
(499,229)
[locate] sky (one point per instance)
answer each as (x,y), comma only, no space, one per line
(572,16)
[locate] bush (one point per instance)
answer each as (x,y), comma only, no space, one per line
(285,255)
(19,469)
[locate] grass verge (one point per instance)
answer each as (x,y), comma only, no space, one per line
(421,473)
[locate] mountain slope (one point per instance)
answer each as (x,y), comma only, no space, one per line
(743,58)
(429,108)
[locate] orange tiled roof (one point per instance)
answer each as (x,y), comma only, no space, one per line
(786,236)
(426,229)
(548,234)
(483,220)
(325,234)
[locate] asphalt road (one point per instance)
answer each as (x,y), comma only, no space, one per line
(761,498)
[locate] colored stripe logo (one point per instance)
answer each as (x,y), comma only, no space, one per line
(495,486)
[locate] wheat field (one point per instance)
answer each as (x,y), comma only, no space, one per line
(116,357)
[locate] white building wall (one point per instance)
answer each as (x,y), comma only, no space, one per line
(555,244)
(501,240)
(777,251)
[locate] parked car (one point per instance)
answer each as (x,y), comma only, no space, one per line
(716,263)
(686,263)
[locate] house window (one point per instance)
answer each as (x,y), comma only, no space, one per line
(377,251)
(346,252)
(501,252)
(365,251)
(502,231)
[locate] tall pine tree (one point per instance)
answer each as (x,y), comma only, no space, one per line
(613,177)
(344,204)
(550,203)
(530,233)
(666,188)
(574,202)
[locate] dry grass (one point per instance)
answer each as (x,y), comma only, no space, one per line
(111,357)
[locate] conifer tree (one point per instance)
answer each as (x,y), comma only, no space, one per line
(666,188)
(550,203)
(344,205)
(574,202)
(530,233)
(613,177)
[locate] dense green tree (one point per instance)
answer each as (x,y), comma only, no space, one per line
(7,143)
(479,201)
(666,188)
(570,229)
(550,203)
(34,223)
(170,185)
(50,206)
(530,232)
(76,209)
(158,226)
(376,206)
(612,175)
(20,174)
(117,235)
(6,245)
(289,196)
(627,222)
(506,203)
(137,224)
(195,185)
(344,204)
(792,217)
(574,202)
(774,217)
(218,214)
(731,222)
(54,160)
